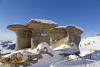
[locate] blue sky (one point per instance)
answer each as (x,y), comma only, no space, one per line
(83,13)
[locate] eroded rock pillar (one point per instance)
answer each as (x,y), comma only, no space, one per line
(73,35)
(23,39)
(23,36)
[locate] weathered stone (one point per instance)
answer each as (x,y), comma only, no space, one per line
(40,31)
(37,31)
(36,40)
(9,65)
(23,39)
(23,35)
(73,34)
(65,35)
(25,59)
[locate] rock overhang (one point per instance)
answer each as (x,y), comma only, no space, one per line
(16,27)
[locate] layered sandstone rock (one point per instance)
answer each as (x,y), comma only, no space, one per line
(65,35)
(40,29)
(73,34)
(23,36)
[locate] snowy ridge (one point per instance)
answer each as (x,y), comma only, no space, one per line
(70,25)
(44,21)
(60,27)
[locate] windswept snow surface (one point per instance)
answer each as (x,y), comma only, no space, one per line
(90,59)
(47,60)
(68,49)
(76,63)
(89,45)
(90,53)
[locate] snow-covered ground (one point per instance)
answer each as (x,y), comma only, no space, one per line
(7,46)
(90,51)
(89,44)
(90,55)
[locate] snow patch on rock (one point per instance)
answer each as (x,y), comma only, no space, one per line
(44,21)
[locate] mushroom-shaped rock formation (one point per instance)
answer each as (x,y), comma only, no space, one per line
(57,35)
(65,35)
(40,29)
(23,36)
(73,34)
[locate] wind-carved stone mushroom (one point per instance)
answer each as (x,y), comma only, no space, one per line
(57,35)
(74,34)
(23,36)
(70,36)
(65,35)
(40,29)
